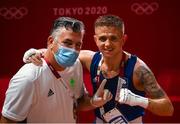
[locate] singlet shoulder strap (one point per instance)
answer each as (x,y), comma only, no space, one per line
(94,63)
(93,69)
(129,67)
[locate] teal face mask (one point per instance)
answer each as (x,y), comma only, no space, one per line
(66,57)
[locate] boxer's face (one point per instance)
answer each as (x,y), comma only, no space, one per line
(109,40)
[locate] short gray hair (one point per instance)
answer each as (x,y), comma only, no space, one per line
(68,23)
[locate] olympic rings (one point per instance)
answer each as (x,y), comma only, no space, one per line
(13,12)
(144,8)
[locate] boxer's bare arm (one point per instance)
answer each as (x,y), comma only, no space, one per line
(86,57)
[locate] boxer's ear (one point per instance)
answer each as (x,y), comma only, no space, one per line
(124,38)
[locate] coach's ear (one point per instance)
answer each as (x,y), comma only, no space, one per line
(50,41)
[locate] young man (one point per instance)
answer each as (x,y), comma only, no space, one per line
(129,79)
(49,93)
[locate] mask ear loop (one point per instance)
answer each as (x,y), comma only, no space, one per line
(51,47)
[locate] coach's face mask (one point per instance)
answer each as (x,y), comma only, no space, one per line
(66,57)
